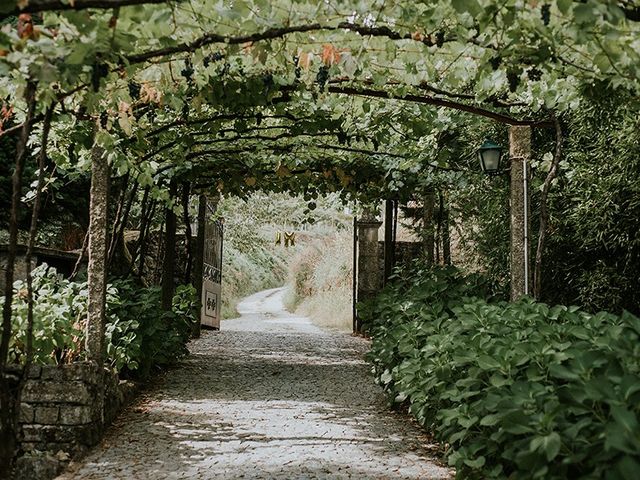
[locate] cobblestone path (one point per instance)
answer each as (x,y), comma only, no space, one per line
(270,396)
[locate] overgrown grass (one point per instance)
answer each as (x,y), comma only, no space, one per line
(320,278)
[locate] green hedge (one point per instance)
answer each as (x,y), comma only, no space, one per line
(515,390)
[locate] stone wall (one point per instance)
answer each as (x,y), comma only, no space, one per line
(64,262)
(63,412)
(405,253)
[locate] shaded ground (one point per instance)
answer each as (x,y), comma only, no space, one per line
(270,396)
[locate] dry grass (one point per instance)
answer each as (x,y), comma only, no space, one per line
(320,278)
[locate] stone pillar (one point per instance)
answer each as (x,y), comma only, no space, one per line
(520,156)
(199,258)
(368,278)
(428,230)
(388,239)
(168,260)
(96,270)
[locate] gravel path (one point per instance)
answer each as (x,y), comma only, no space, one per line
(270,396)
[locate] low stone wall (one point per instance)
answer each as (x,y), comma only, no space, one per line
(63,412)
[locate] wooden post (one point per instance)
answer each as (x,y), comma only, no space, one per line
(199,258)
(520,155)
(168,260)
(96,269)
(368,266)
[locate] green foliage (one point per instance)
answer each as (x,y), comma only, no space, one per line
(59,313)
(594,251)
(159,338)
(517,390)
(138,335)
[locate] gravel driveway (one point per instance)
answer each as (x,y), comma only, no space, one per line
(270,396)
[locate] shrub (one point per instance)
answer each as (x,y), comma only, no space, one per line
(138,335)
(517,390)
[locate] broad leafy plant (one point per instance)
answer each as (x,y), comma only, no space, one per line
(138,335)
(517,390)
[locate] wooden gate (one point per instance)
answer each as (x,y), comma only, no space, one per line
(212,270)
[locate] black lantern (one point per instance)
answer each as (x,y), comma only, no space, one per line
(490,154)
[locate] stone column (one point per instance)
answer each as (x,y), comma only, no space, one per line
(199,258)
(368,278)
(168,260)
(388,239)
(428,230)
(96,270)
(520,156)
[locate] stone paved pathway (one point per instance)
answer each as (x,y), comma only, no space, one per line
(270,396)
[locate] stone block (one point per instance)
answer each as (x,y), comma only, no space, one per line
(26,413)
(34,371)
(38,465)
(88,435)
(76,415)
(38,391)
(84,372)
(46,415)
(33,433)
(31,446)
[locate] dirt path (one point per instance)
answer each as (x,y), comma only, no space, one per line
(270,396)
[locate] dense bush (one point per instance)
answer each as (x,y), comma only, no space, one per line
(138,334)
(519,390)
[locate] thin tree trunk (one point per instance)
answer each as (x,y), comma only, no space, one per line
(33,230)
(116,221)
(127,210)
(188,233)
(21,153)
(168,260)
(141,226)
(8,409)
(544,209)
(142,241)
(83,251)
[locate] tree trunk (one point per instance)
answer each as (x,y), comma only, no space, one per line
(520,154)
(33,230)
(544,210)
(168,260)
(96,270)
(8,409)
(116,220)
